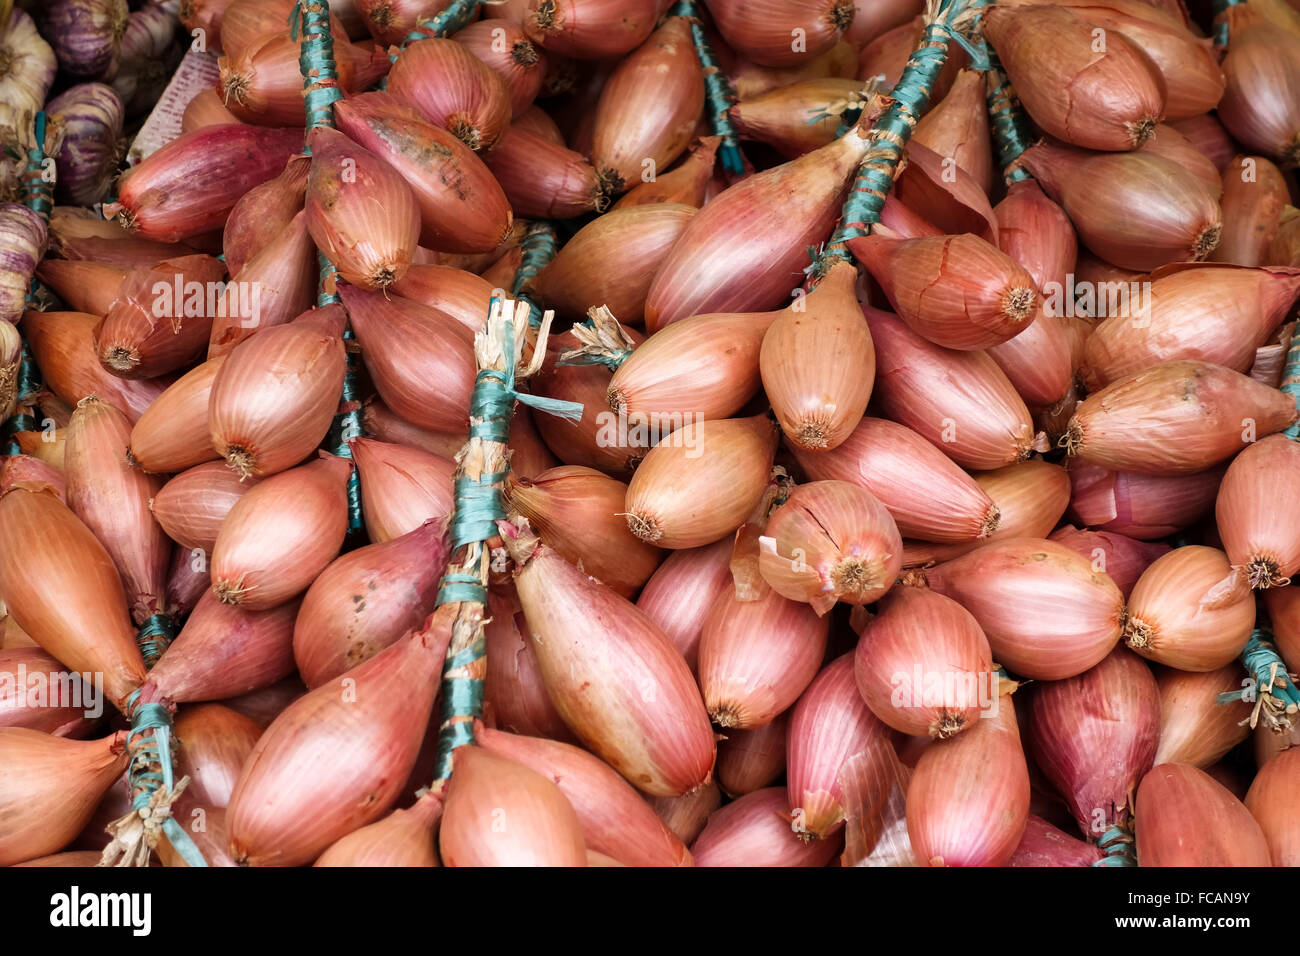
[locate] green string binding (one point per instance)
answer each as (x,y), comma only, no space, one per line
(1273,689)
(720,95)
(1291,381)
(538,248)
(155,636)
(442,24)
(36,197)
(1007,119)
(149,744)
(1218,8)
(1117,844)
(320,92)
(909,99)
(461,697)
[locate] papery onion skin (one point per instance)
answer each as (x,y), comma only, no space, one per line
(216,741)
(1194,727)
(544,180)
(1190,610)
(1258,522)
(1175,419)
(1122,558)
(1140,506)
(50,788)
(960,402)
(451,87)
(1284,613)
(757,657)
(685,183)
(1045,845)
(1261,104)
(514,694)
(613,675)
(1254,194)
(762,29)
(968,799)
(1186,818)
(336,759)
(401,487)
(366,600)
(592,29)
(283,533)
(923,665)
(507,51)
(615,818)
(502,813)
(831,541)
(686,815)
(263,212)
(192,506)
(1046,613)
(828,725)
(750,760)
(224,651)
(701,483)
(755,831)
(172,435)
(1095,735)
(680,595)
(929,496)
(1268,801)
(462,295)
(45,708)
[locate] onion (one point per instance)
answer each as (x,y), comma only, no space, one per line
(24,471)
(402,488)
(223,651)
(755,831)
(1269,803)
(1094,736)
(161,318)
(757,657)
(1109,101)
(83,286)
(1175,419)
(1284,614)
(1137,505)
(613,675)
(1047,614)
(245,22)
(577,511)
(1254,195)
(189,186)
(590,29)
(685,183)
(1195,728)
(206,109)
(172,434)
(282,534)
(1121,558)
(421,359)
(192,506)
(700,483)
(681,593)
(276,394)
(515,697)
(335,759)
(32,694)
(1261,104)
(1259,531)
(1186,818)
(403,838)
(112,498)
(361,213)
(648,108)
(263,213)
(1190,610)
(453,89)
(740,253)
(749,760)
(1045,845)
(637,238)
(686,815)
(762,29)
(50,788)
(502,813)
(968,800)
(828,726)
(818,363)
(215,742)
(187,581)
(1135,210)
(506,49)
(960,402)
(1210,313)
(389,21)
(1037,233)
(462,295)
(87,121)
(615,819)
(366,600)
(928,495)
(462,207)
(923,665)
(61,587)
(957,127)
(831,541)
(797,118)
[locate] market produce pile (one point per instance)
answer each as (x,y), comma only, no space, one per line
(651,433)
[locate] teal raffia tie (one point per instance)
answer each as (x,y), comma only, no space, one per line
(1291,380)
(1219,10)
(455,17)
(36,191)
(316,60)
(1272,689)
(155,636)
(538,248)
(720,97)
(150,775)
(1117,845)
(1007,120)
(462,704)
(909,99)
